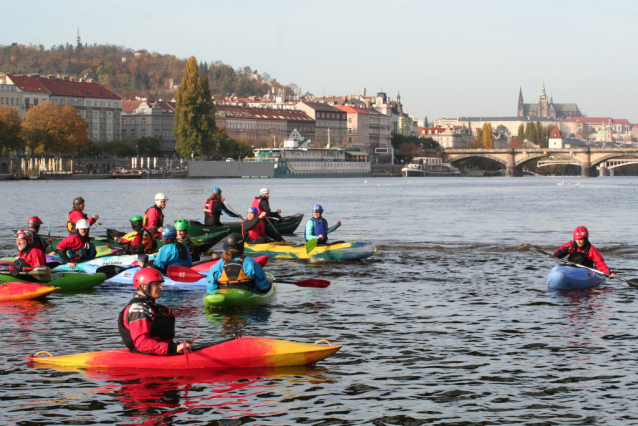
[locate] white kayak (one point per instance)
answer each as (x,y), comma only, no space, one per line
(88,266)
(126,277)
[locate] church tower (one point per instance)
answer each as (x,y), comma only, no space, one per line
(521,106)
(543,106)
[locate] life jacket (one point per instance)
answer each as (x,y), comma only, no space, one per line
(71,225)
(580,257)
(257,231)
(162,328)
(320,228)
(233,276)
(86,252)
(147,244)
(161,217)
(212,217)
(190,245)
(256,202)
(20,264)
(39,242)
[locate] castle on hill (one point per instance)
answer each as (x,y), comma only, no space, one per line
(546,108)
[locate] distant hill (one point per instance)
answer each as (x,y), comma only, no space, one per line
(132,73)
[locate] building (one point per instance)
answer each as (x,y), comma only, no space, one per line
(97,105)
(511,124)
(330,122)
(585,127)
(141,118)
(447,137)
(556,140)
(546,108)
(369,130)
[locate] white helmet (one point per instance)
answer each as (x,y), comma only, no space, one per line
(82,224)
(160,197)
(264,191)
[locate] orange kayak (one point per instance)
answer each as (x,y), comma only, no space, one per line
(24,291)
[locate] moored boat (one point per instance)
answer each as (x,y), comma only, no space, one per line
(564,277)
(243,352)
(338,251)
(287,225)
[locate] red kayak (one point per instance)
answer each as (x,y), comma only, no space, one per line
(207,266)
(24,291)
(243,352)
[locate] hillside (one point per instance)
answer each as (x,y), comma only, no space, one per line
(131,73)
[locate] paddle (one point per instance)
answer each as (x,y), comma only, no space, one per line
(187,275)
(633,282)
(40,273)
(311,245)
(112,270)
(273,228)
(202,248)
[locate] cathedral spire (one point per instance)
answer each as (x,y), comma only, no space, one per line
(543,93)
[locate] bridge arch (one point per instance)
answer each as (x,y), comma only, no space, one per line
(537,155)
(603,158)
(455,158)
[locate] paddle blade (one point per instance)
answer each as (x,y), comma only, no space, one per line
(633,282)
(112,270)
(311,245)
(184,274)
(314,283)
(41,273)
(203,248)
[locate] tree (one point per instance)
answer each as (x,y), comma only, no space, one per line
(540,134)
(478,139)
(194,126)
(119,149)
(50,128)
(10,129)
(487,136)
(149,147)
(529,132)
(521,131)
(411,150)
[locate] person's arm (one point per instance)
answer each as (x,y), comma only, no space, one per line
(595,256)
(139,322)
(334,227)
(61,249)
(91,220)
(256,272)
(310,229)
(250,224)
(563,250)
(212,278)
(36,258)
(163,257)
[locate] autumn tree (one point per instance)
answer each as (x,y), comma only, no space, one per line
(411,150)
(49,128)
(194,126)
(521,131)
(487,138)
(10,129)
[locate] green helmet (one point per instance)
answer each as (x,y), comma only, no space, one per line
(182,225)
(136,220)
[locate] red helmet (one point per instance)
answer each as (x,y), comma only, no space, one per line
(24,235)
(147,276)
(34,219)
(580,233)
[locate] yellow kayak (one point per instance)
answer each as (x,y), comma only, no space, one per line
(339,251)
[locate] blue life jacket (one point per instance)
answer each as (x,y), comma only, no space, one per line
(320,228)
(87,252)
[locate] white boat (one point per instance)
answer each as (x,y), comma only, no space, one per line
(429,166)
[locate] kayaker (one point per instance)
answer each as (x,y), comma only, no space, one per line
(172,253)
(581,252)
(78,213)
(236,271)
(213,208)
(182,227)
(154,216)
(139,241)
(317,226)
(77,247)
(29,256)
(145,325)
(38,241)
(263,205)
(254,229)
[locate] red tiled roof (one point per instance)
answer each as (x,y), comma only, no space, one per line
(62,87)
(596,120)
(421,130)
(556,133)
(353,110)
(262,113)
(130,106)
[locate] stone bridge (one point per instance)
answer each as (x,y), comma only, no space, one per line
(515,159)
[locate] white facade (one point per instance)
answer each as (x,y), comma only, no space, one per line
(141,118)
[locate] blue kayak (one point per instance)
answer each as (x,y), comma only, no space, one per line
(572,278)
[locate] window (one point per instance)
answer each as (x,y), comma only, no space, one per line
(349,119)
(143,120)
(35,101)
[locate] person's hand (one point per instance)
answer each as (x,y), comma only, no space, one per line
(214,256)
(96,216)
(118,240)
(320,237)
(262,215)
(612,275)
(223,199)
(159,230)
(72,265)
(270,280)
(180,347)
(240,216)
(279,211)
(338,224)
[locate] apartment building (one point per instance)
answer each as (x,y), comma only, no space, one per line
(141,118)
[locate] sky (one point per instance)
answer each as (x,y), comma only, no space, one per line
(445,58)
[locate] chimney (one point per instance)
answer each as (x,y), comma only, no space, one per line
(66,77)
(50,77)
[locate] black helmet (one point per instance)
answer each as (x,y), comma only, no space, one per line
(235,241)
(78,201)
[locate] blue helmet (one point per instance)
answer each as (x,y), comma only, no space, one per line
(317,208)
(169,232)
(217,191)
(253,210)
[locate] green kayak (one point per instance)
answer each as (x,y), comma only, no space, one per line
(64,280)
(233,297)
(287,225)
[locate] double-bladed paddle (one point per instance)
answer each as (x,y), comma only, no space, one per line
(40,273)
(112,270)
(274,229)
(187,275)
(633,282)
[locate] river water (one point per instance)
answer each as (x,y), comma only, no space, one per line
(450,323)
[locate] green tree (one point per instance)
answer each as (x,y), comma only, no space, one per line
(194,126)
(540,133)
(149,147)
(487,138)
(529,133)
(119,149)
(521,131)
(10,129)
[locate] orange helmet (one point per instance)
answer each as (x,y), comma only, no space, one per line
(24,235)
(147,276)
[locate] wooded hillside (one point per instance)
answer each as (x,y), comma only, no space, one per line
(132,73)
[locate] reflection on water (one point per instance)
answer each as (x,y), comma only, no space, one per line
(449,323)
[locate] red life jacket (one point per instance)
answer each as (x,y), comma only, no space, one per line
(208,207)
(257,231)
(256,202)
(70,225)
